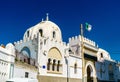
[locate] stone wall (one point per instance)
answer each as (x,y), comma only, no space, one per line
(56,79)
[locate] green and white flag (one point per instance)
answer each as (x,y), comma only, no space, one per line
(88,26)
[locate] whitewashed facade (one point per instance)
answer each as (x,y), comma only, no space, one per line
(45,43)
(42,54)
(7,57)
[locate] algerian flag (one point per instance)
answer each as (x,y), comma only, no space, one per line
(88,26)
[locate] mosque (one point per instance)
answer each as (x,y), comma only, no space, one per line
(43,55)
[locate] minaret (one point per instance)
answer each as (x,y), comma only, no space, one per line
(47,17)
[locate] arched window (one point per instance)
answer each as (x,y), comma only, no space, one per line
(111,74)
(58,65)
(41,32)
(24,60)
(27,33)
(53,66)
(54,34)
(75,68)
(101,55)
(48,64)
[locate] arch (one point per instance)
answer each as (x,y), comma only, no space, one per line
(26,51)
(41,32)
(56,57)
(89,74)
(28,33)
(48,64)
(101,55)
(54,34)
(58,65)
(54,53)
(92,68)
(53,65)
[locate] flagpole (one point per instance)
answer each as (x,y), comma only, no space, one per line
(82,52)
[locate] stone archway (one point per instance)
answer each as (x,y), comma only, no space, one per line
(89,74)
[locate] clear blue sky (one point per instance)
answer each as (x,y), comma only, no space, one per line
(104,16)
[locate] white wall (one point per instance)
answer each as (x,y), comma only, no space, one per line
(43,58)
(72,61)
(19,72)
(6,59)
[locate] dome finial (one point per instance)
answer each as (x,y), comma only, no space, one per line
(42,20)
(47,16)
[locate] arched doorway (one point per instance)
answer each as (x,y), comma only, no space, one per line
(89,74)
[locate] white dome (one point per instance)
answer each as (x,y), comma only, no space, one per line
(49,30)
(10,47)
(104,53)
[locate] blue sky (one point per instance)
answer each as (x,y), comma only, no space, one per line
(104,16)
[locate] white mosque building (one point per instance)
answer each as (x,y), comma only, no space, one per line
(43,55)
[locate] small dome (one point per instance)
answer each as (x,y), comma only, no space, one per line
(10,47)
(46,29)
(103,54)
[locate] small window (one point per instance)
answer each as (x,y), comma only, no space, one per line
(54,34)
(101,55)
(75,68)
(48,65)
(27,33)
(41,32)
(53,66)
(26,74)
(44,42)
(58,66)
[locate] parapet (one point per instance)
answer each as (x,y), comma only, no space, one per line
(20,42)
(85,40)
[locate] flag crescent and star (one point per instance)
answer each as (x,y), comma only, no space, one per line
(88,26)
